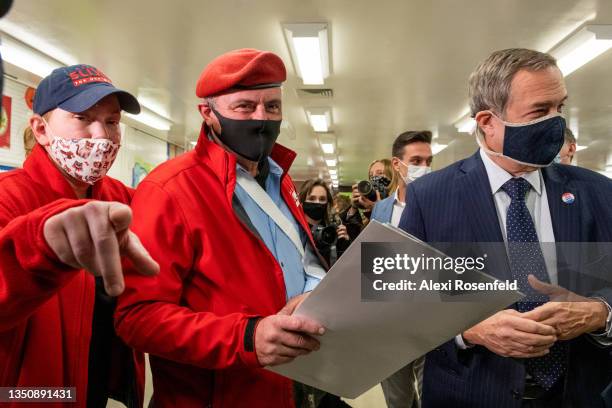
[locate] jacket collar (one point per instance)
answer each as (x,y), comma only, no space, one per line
(43,171)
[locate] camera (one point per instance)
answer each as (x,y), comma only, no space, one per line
(369,188)
(324,236)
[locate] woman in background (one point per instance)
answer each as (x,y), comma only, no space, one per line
(330,235)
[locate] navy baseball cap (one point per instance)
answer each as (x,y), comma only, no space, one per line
(77,88)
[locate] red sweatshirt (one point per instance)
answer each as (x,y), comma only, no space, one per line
(46,307)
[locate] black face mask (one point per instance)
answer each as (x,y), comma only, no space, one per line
(251,139)
(315,211)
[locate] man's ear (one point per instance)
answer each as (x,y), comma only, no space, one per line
(484,119)
(395,163)
(39,129)
(206,112)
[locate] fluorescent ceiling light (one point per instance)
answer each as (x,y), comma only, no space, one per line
(328,148)
(319,118)
(582,47)
(151,119)
(32,60)
(581,147)
(437,148)
(333,172)
(466,125)
(319,123)
(330,162)
(28,58)
(309,50)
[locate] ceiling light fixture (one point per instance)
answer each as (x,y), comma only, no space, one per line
(151,119)
(27,58)
(309,48)
(581,47)
(319,118)
(437,148)
(466,124)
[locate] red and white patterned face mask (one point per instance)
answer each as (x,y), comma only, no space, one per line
(86,159)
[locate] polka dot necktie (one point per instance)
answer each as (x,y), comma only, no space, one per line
(526,258)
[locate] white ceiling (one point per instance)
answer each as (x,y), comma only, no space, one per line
(396,64)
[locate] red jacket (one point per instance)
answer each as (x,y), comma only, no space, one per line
(215,275)
(46,308)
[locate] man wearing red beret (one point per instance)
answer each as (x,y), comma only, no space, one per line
(234,248)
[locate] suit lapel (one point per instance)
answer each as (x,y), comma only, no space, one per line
(565,216)
(566,223)
(474,189)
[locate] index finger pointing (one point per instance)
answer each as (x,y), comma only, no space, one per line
(139,256)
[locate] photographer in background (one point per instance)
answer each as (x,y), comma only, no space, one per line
(367,192)
(330,235)
(332,239)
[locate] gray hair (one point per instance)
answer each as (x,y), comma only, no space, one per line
(489,84)
(210,101)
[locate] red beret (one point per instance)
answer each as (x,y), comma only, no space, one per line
(241,69)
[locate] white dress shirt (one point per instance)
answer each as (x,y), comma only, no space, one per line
(398,209)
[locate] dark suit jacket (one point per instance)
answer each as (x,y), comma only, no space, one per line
(455,204)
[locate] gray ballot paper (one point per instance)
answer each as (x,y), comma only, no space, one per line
(368,340)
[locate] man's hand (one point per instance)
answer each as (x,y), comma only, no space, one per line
(293,303)
(356,195)
(280,338)
(509,334)
(94,236)
(360,201)
(570,314)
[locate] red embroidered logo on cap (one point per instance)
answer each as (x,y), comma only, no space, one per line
(86,75)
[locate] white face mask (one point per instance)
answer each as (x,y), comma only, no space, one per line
(414,172)
(85,159)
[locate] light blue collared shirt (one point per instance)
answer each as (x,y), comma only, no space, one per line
(297,281)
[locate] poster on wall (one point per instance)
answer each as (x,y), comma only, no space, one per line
(29,97)
(140,171)
(5,123)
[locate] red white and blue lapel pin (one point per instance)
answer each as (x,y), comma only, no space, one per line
(568,198)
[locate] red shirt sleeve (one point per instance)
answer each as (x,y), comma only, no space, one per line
(30,272)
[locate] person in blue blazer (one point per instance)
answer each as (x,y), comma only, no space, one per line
(411,158)
(547,354)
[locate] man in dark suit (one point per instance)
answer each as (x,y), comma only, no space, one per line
(537,354)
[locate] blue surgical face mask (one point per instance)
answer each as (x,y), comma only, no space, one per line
(534,143)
